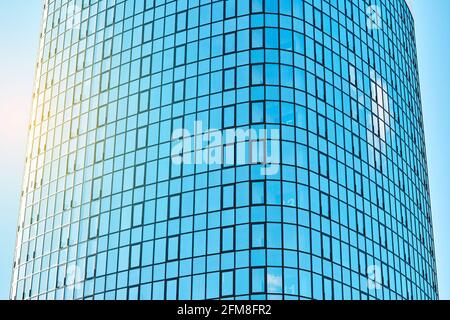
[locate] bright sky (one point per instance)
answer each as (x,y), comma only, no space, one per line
(433,43)
(19,33)
(19,37)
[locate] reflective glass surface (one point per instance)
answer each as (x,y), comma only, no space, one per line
(108,214)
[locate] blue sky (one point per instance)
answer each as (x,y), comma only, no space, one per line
(433,43)
(19,35)
(19,32)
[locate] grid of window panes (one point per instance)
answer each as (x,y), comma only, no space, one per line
(107,215)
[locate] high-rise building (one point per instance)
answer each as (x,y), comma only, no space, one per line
(318,191)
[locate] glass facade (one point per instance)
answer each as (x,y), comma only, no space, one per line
(108,214)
